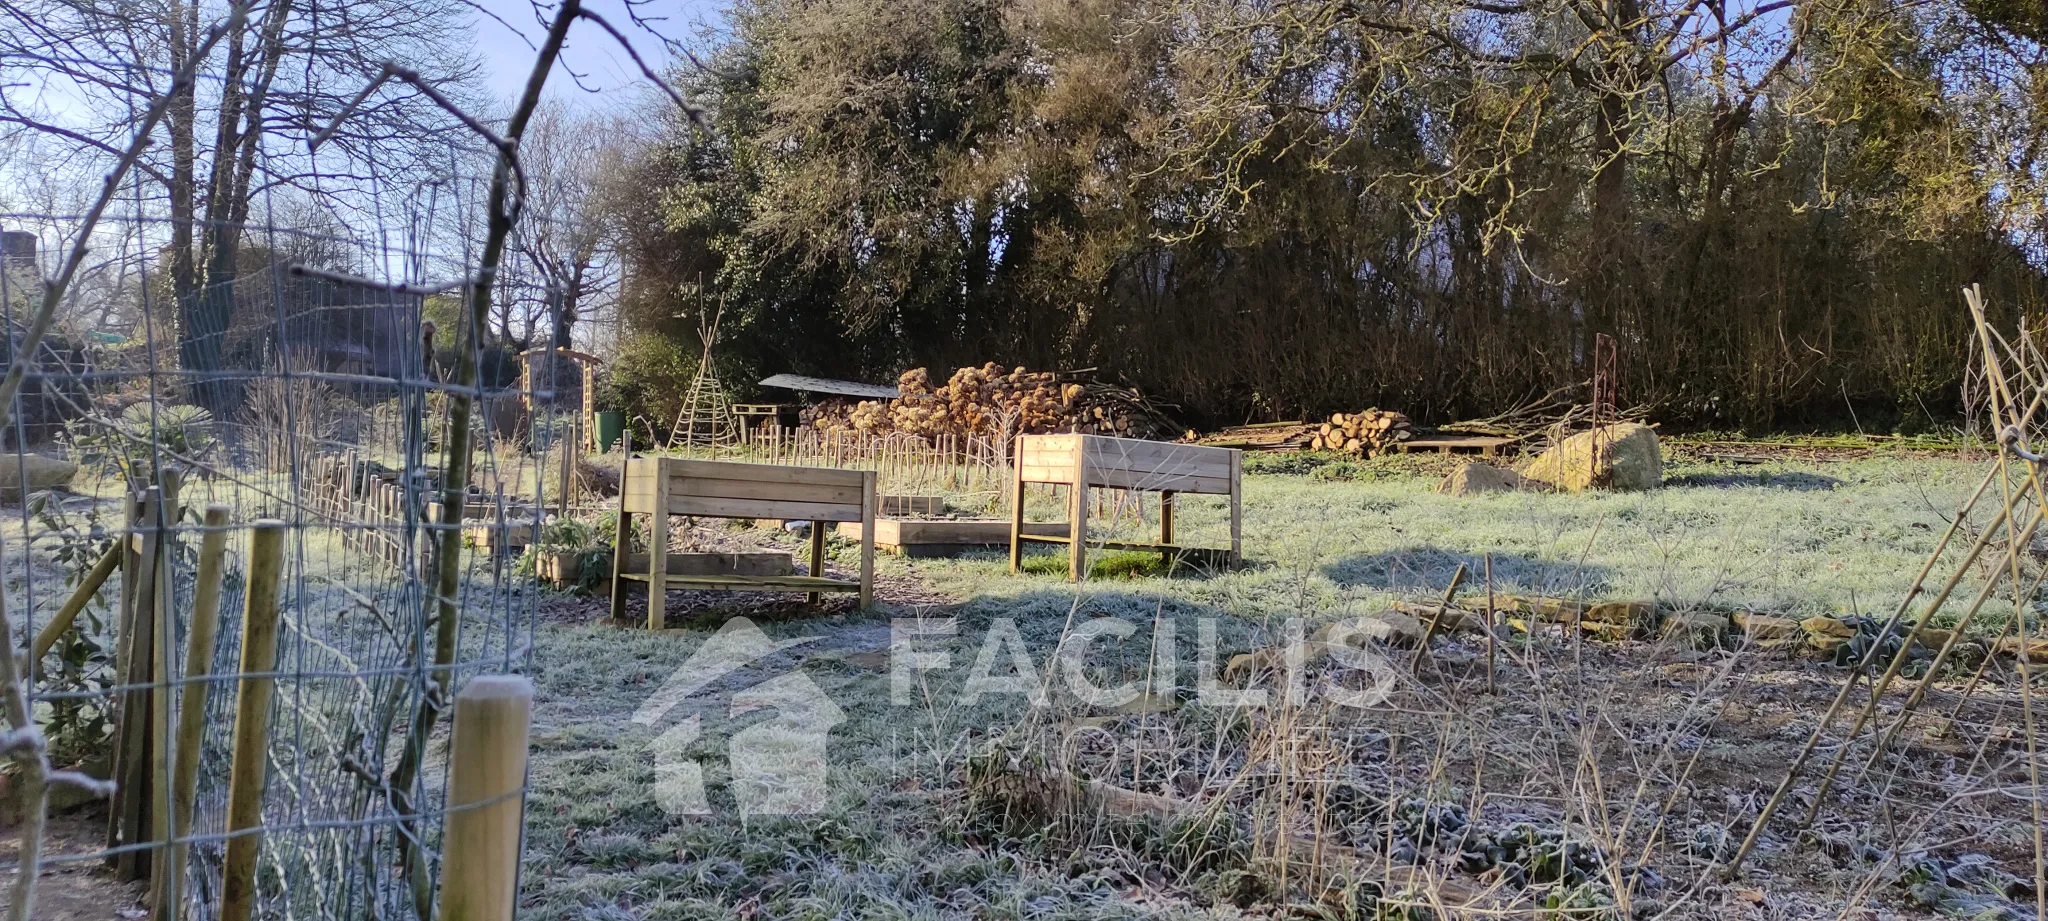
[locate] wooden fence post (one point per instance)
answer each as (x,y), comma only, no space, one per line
(162,670)
(199,647)
(486,811)
(252,720)
(128,813)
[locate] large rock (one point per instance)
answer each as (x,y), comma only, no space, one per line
(1476,479)
(1629,460)
(41,472)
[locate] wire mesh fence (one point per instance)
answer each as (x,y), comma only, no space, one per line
(319,409)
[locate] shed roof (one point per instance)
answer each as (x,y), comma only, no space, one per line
(804,384)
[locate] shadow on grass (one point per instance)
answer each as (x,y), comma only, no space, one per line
(1429,569)
(1116,564)
(1796,481)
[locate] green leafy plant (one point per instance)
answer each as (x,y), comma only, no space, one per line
(143,433)
(78,670)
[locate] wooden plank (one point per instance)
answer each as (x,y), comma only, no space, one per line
(1067,442)
(1016,516)
(636,497)
(1039,474)
(984,531)
(1141,546)
(1048,457)
(1236,511)
(1077,514)
(622,539)
(762,508)
(817,560)
(657,552)
(764,473)
(762,563)
(754,489)
(1188,460)
(1159,482)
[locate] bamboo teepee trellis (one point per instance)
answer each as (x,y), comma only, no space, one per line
(2012,492)
(707,417)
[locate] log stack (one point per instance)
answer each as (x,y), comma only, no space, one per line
(990,400)
(1365,434)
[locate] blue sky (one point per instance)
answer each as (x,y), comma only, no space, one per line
(506,47)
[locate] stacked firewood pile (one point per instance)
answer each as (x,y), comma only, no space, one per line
(992,401)
(1366,434)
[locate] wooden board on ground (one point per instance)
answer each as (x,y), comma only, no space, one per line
(755,583)
(1449,443)
(925,539)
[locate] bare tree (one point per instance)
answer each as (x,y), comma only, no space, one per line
(565,241)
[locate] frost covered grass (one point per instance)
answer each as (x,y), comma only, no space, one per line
(901,837)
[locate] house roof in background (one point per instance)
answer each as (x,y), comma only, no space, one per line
(804,384)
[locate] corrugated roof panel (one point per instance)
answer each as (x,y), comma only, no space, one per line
(824,385)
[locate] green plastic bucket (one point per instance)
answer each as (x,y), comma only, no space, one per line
(611,425)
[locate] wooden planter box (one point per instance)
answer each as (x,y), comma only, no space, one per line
(509,538)
(657,488)
(940,537)
(1083,462)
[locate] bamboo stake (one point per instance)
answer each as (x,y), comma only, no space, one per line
(1429,630)
(80,597)
(486,799)
(252,720)
(1488,561)
(1919,693)
(200,642)
(1974,297)
(1891,674)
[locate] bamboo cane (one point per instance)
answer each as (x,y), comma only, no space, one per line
(1429,630)
(1849,685)
(80,597)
